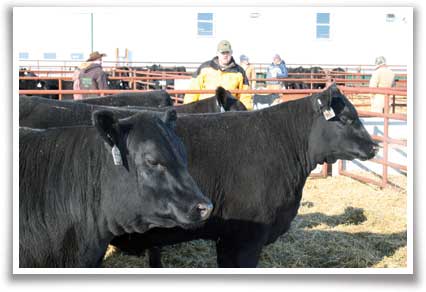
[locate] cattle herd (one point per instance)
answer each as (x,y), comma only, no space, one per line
(298,76)
(136,172)
(40,83)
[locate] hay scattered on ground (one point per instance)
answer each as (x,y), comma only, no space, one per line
(342,223)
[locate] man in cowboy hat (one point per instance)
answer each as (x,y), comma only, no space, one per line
(381,77)
(91,75)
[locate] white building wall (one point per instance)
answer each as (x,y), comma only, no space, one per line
(169,34)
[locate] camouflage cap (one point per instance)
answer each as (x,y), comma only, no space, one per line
(224,46)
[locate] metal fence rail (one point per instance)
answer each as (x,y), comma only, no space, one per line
(286,95)
(384,140)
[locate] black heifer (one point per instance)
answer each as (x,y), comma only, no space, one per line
(42,113)
(119,83)
(305,73)
(30,84)
(222,101)
(74,196)
(37,112)
(338,74)
(257,189)
(44,84)
(52,84)
(255,177)
(158,98)
(296,73)
(155,81)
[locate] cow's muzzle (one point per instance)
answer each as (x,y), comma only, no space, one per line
(204,210)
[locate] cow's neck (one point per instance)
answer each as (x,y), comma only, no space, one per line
(293,121)
(95,235)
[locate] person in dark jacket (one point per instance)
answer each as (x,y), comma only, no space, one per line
(277,69)
(92,75)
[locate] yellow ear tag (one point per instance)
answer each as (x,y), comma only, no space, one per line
(116,155)
(328,114)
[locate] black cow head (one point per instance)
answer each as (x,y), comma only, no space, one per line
(118,84)
(156,189)
(227,101)
(31,84)
(337,132)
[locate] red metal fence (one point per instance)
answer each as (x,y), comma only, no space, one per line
(391,97)
(386,142)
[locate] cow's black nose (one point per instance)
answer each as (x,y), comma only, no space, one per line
(204,210)
(376,147)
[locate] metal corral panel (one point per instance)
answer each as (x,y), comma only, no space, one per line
(397,153)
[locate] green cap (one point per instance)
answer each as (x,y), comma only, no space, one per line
(224,46)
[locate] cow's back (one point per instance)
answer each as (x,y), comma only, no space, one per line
(158,98)
(42,113)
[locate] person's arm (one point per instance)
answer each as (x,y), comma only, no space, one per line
(76,80)
(284,71)
(393,80)
(102,81)
(253,76)
(374,80)
(245,98)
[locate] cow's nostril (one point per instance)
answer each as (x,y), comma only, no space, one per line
(376,148)
(205,210)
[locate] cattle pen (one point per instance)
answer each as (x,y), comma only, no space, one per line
(353,214)
(352,80)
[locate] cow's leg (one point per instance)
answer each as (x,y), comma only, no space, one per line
(233,253)
(155,257)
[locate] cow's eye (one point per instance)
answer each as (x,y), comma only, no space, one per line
(345,120)
(154,163)
(151,161)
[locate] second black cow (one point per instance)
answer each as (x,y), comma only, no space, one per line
(254,165)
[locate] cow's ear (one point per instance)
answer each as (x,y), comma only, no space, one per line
(324,98)
(113,132)
(333,87)
(221,96)
(170,117)
(330,102)
(107,125)
(323,103)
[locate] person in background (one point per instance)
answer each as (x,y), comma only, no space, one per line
(91,74)
(223,71)
(277,69)
(250,72)
(381,77)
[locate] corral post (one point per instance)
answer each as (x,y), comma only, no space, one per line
(60,88)
(385,141)
(133,79)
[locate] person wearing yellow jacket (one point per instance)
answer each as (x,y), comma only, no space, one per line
(223,71)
